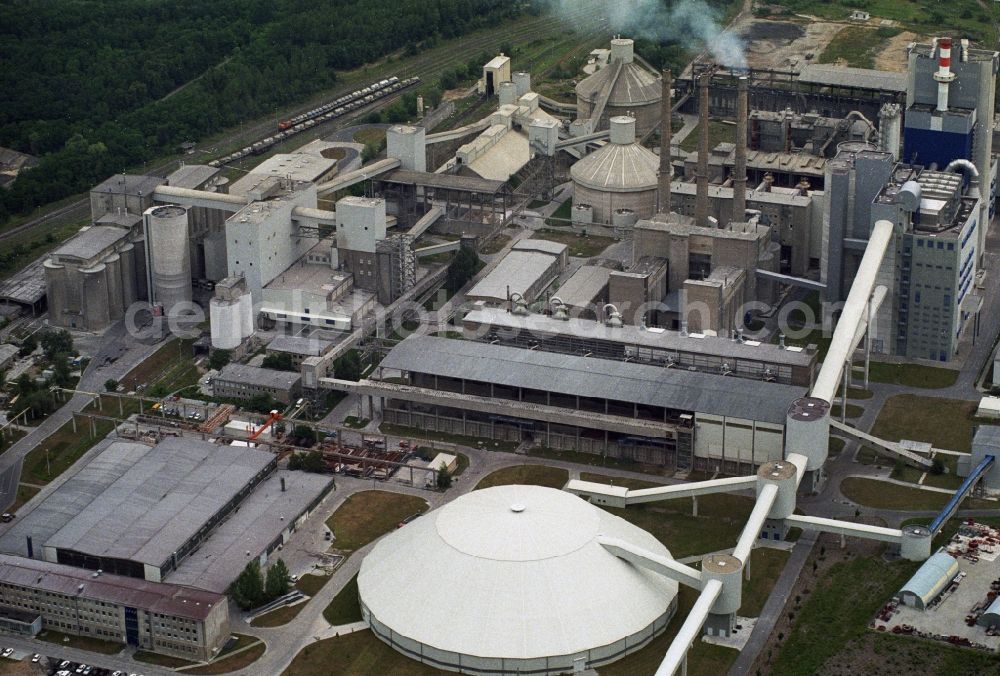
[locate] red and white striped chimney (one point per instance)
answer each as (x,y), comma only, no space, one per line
(943,74)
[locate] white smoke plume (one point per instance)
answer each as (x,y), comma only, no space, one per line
(653,20)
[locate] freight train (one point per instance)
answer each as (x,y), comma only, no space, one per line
(328,111)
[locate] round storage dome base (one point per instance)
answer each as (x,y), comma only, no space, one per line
(514,579)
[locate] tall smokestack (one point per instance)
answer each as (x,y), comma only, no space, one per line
(740,170)
(666,111)
(701,173)
(943,75)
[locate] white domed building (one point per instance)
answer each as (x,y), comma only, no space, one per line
(619,179)
(514,579)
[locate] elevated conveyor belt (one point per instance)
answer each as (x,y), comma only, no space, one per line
(427,220)
(556,106)
(911,458)
(458,132)
(603,101)
(358,175)
(963,490)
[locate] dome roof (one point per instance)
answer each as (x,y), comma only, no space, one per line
(618,167)
(513,572)
(635,85)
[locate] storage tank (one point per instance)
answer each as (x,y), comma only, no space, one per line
(169,255)
(620,175)
(522,81)
(95,308)
(623,218)
(224,320)
(127,255)
(55,290)
(246,315)
(508,93)
(583,214)
(116,307)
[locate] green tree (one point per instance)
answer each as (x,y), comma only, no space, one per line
(55,343)
(28,346)
(305,433)
(111,385)
(937,466)
(462,268)
(248,589)
(219,358)
(281,361)
(443,477)
(294,461)
(348,366)
(276,583)
(313,462)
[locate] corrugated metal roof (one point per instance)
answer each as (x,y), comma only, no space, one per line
(634,86)
(516,272)
(91,242)
(255,375)
(860,78)
(617,167)
(540,245)
(586,284)
(305,345)
(192,175)
(594,377)
(168,599)
(932,577)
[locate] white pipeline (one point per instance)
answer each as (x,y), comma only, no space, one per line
(662,565)
(751,531)
(690,630)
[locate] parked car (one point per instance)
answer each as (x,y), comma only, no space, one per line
(7,517)
(7,652)
(36,658)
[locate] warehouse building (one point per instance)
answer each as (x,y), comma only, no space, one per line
(629,411)
(168,619)
(238,381)
(527,270)
(549,597)
(929,581)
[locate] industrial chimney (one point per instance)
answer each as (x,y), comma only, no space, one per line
(740,169)
(666,111)
(943,75)
(701,172)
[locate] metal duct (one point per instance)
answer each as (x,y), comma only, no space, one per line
(701,173)
(663,192)
(740,169)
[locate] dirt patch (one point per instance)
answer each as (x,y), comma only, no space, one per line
(334,153)
(785,44)
(893,56)
(772,30)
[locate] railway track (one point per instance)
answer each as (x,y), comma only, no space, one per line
(422,66)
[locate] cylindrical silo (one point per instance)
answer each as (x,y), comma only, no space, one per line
(622,49)
(522,81)
(807,430)
(623,218)
(96,312)
(169,255)
(508,93)
(727,569)
(783,474)
(224,319)
(116,306)
(582,214)
(55,290)
(246,315)
(127,255)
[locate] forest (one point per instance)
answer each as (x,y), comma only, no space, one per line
(93,86)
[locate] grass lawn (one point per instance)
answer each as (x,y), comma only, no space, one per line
(584,246)
(356,654)
(885,495)
(62,449)
(239,661)
(627,482)
(368,515)
(912,375)
(160,660)
(854,46)
(278,616)
(310,584)
(945,423)
(718,132)
(859,393)
(838,610)
(496,244)
(82,642)
(531,475)
(355,423)
(853,411)
(417,433)
(369,135)
(765,567)
(174,354)
(836,446)
(563,215)
(949,479)
(345,607)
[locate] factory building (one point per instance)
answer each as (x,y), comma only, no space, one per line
(92,278)
(238,381)
(526,271)
(526,613)
(929,581)
(124,194)
(231,314)
(622,87)
(167,619)
(299,348)
(297,167)
(204,223)
(585,292)
(619,181)
(657,415)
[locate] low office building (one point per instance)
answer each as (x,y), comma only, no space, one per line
(164,618)
(649,414)
(530,267)
(298,348)
(238,381)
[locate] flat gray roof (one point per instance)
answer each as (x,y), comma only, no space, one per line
(129,184)
(91,241)
(137,502)
(192,175)
(593,377)
(304,345)
(540,245)
(860,78)
(584,285)
(516,272)
(262,516)
(987,436)
(633,335)
(261,377)
(27,286)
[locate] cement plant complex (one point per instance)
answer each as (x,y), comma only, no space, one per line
(661,370)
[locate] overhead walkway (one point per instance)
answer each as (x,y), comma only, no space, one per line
(914,459)
(358,175)
(580,140)
(556,106)
(625,497)
(444,247)
(432,216)
(458,132)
